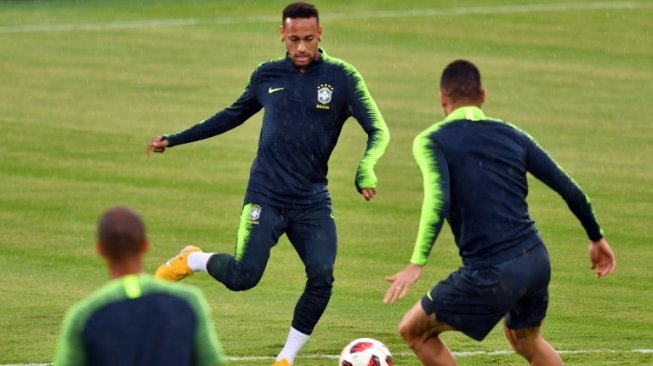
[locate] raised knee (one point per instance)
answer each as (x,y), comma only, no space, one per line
(240,286)
(243,282)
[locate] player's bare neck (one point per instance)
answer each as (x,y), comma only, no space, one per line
(125,268)
(450,107)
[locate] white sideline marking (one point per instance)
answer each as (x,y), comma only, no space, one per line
(183,22)
(460,354)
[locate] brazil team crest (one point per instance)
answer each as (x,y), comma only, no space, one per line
(255,213)
(324,94)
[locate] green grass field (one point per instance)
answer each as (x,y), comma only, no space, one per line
(85,85)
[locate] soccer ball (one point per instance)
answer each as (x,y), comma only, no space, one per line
(365,352)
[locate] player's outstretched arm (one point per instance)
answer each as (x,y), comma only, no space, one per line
(157,145)
(602,257)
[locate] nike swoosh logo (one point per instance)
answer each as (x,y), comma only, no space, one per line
(272,90)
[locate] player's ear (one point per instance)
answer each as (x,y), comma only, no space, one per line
(483,95)
(319,34)
(443,99)
(445,102)
(281,32)
(145,246)
(100,249)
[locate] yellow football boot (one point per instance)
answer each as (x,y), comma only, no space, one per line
(176,269)
(282,362)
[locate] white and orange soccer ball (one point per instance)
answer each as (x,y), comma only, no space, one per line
(365,352)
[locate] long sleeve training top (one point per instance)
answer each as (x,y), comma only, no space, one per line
(474,175)
(304,113)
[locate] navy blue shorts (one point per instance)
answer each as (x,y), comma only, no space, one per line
(473,300)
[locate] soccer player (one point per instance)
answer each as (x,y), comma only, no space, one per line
(474,173)
(135,320)
(307,96)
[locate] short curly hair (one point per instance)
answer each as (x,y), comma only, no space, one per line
(300,9)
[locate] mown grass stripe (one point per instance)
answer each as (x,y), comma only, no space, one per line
(431,12)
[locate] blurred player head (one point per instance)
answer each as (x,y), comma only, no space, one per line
(301,32)
(121,239)
(460,85)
